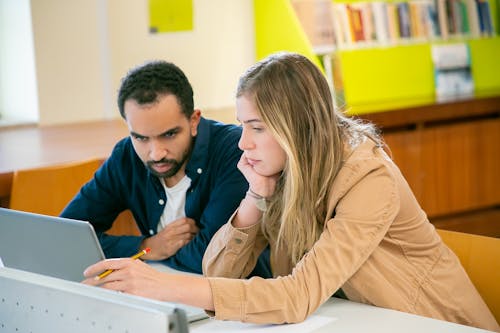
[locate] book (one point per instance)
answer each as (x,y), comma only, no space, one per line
(442,18)
(355,22)
(485,21)
(473,18)
(432,20)
(393,22)
(452,71)
(367,19)
(418,19)
(450,12)
(403,14)
(380,21)
(464,17)
(317,21)
(340,15)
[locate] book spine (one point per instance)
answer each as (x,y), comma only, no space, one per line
(465,17)
(450,10)
(485,24)
(433,30)
(337,28)
(404,20)
(367,19)
(393,22)
(355,22)
(443,19)
(380,21)
(473,17)
(457,17)
(343,17)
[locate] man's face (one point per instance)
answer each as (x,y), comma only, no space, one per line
(162,136)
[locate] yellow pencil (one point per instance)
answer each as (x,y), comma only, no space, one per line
(135,256)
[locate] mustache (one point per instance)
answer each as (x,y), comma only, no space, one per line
(163,160)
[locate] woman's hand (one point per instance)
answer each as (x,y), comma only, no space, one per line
(130,276)
(264,186)
(259,184)
(138,278)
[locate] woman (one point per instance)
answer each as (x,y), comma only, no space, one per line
(334,209)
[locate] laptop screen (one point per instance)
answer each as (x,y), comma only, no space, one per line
(47,245)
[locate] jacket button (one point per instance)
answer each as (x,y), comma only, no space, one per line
(161,202)
(199,170)
(151,232)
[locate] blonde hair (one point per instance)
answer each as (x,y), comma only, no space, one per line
(294,101)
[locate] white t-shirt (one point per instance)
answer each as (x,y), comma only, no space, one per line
(176,202)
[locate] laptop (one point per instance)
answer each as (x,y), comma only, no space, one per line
(48,245)
(58,247)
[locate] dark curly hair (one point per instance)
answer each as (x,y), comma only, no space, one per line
(145,83)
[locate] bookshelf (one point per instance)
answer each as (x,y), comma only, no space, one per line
(447,150)
(374,76)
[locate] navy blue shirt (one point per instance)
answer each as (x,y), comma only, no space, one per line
(123,182)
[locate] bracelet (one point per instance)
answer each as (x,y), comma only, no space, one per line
(255,195)
(260,201)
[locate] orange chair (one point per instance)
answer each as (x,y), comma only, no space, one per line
(480,257)
(47,190)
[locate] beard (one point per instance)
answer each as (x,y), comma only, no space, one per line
(176,165)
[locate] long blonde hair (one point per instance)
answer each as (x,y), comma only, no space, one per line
(294,101)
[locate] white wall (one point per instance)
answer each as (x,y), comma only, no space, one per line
(213,55)
(68,59)
(18,94)
(84,47)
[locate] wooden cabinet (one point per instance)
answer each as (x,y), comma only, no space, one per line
(450,155)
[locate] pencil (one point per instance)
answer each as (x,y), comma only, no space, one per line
(135,256)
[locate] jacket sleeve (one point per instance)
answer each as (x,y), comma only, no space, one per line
(233,252)
(363,215)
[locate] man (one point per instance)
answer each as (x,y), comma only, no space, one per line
(176,172)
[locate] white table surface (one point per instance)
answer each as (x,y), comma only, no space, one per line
(338,315)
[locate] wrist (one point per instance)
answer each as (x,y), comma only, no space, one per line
(259,200)
(247,214)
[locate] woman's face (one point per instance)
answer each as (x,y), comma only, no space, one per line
(259,146)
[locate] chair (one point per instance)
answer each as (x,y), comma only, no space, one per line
(480,256)
(47,190)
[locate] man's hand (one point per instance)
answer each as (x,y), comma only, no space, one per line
(168,241)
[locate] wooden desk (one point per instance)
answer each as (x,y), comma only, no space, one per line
(32,146)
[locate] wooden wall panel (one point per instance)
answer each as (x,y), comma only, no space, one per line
(405,150)
(460,167)
(451,167)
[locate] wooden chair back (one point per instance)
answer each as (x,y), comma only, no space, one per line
(480,256)
(47,190)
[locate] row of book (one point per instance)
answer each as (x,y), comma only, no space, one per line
(328,23)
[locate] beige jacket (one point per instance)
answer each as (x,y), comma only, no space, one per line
(379,247)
